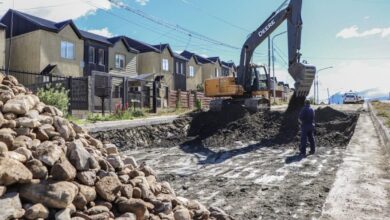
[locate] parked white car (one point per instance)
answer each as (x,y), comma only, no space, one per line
(352,98)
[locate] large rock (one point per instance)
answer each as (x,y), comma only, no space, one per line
(20,105)
(10,206)
(136,206)
(27,122)
(13,171)
(38,170)
(111,148)
(16,156)
(64,128)
(87,177)
(88,192)
(7,136)
(37,211)
(81,159)
(182,214)
(63,214)
(53,195)
(63,170)
(115,161)
(48,152)
(108,188)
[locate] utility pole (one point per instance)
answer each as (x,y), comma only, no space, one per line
(328,97)
(273,63)
(10,39)
(316,81)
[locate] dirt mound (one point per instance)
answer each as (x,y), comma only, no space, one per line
(225,128)
(51,168)
(327,114)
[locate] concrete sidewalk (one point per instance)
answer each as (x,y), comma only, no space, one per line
(113,125)
(362,185)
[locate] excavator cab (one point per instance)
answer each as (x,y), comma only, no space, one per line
(231,93)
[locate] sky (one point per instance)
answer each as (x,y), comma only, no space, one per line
(352,36)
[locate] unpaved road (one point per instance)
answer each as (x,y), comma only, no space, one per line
(362,186)
(255,179)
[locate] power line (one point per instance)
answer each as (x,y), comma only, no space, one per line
(213,16)
(166,24)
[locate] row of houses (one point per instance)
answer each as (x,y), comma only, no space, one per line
(38,45)
(33,44)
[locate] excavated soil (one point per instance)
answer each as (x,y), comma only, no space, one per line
(211,129)
(245,163)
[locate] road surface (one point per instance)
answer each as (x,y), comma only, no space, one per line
(362,185)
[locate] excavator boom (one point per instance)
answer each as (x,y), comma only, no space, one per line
(303,74)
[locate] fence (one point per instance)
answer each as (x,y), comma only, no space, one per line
(77,86)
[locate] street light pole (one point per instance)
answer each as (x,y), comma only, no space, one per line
(316,82)
(273,63)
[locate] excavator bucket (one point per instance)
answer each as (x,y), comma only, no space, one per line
(304,75)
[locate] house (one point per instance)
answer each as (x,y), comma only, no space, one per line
(122,58)
(228,68)
(180,72)
(194,72)
(2,45)
(42,46)
(95,53)
(155,59)
(215,68)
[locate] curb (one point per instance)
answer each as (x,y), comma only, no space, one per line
(381,129)
(119,125)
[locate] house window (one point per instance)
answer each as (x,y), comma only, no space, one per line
(192,72)
(91,54)
(216,72)
(101,57)
(182,68)
(120,61)
(165,64)
(177,68)
(67,50)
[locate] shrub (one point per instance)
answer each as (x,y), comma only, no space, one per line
(200,88)
(138,113)
(56,96)
(198,104)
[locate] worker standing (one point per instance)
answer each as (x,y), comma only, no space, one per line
(306,117)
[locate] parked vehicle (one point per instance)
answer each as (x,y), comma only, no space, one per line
(352,98)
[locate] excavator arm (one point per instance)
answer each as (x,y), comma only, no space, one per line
(303,74)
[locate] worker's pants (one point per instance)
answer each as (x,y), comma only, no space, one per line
(307,133)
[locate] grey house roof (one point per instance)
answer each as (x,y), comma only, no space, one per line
(228,64)
(199,59)
(141,46)
(114,40)
(95,37)
(24,23)
(180,57)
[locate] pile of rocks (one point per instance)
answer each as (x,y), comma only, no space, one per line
(51,168)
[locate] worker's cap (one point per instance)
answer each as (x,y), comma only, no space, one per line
(307,102)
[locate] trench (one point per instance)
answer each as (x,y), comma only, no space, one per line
(244,163)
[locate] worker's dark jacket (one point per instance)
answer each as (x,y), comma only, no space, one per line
(307,118)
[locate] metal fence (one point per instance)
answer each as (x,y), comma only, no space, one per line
(76,86)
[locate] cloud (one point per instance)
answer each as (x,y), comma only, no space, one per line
(367,17)
(57,10)
(355,75)
(353,32)
(103,32)
(142,2)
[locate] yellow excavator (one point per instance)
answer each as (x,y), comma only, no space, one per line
(247,89)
